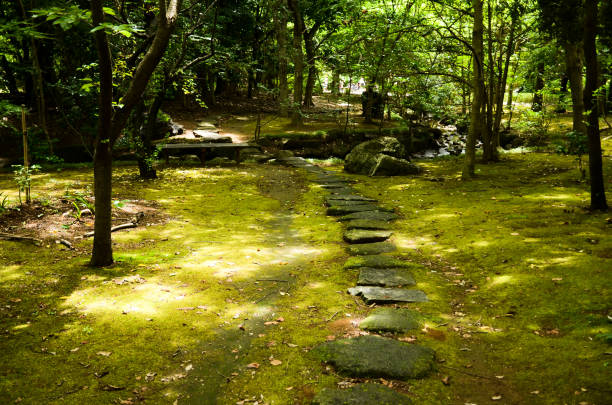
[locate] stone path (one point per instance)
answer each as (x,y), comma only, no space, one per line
(381,279)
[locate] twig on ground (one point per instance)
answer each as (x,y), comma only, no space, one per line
(115,228)
(18,238)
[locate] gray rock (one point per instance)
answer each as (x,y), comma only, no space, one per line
(379,157)
(286,156)
(386,295)
(392,166)
(374,215)
(348,197)
(385,277)
(340,210)
(212,137)
(376,357)
(395,320)
(366,235)
(367,224)
(361,394)
(379,262)
(375,248)
(346,203)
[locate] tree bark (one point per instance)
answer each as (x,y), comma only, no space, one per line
(298,61)
(538,97)
(598,194)
(110,125)
(310,61)
(478,87)
(573,64)
(281,39)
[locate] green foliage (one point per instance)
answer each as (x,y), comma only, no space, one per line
(23,178)
(79,200)
(534,127)
(574,143)
(3,202)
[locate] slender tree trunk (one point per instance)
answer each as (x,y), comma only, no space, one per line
(489,151)
(573,64)
(503,82)
(538,97)
(478,87)
(281,39)
(298,61)
(102,254)
(598,194)
(111,124)
(310,61)
(335,83)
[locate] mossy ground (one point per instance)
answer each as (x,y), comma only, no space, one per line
(517,276)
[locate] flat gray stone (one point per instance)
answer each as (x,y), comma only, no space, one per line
(361,394)
(346,203)
(385,277)
(396,320)
(339,210)
(376,357)
(211,137)
(366,235)
(380,262)
(371,248)
(367,224)
(349,197)
(377,215)
(386,295)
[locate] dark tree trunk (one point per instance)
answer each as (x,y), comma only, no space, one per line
(369,104)
(478,87)
(310,61)
(538,97)
(111,124)
(598,194)
(573,64)
(9,76)
(298,61)
(281,39)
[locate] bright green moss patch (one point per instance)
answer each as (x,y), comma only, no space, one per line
(226,296)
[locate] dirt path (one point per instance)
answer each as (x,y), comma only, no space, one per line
(219,360)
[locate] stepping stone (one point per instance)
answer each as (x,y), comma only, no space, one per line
(380,262)
(361,394)
(346,203)
(367,224)
(339,210)
(386,295)
(385,277)
(366,235)
(376,357)
(371,248)
(372,215)
(211,137)
(337,187)
(395,320)
(349,197)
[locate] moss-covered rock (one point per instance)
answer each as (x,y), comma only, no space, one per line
(376,357)
(396,320)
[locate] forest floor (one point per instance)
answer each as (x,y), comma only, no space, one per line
(235,273)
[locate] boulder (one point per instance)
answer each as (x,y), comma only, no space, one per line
(379,157)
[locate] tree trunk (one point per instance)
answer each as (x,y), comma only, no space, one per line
(478,87)
(310,61)
(111,124)
(335,83)
(598,195)
(538,97)
(489,150)
(499,109)
(298,61)
(281,39)
(573,64)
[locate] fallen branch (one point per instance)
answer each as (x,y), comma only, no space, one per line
(114,228)
(65,243)
(17,238)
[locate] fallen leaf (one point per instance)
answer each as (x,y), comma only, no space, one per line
(109,387)
(105,354)
(189,367)
(276,362)
(253,365)
(288,388)
(514,234)
(496,397)
(76,349)
(446,380)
